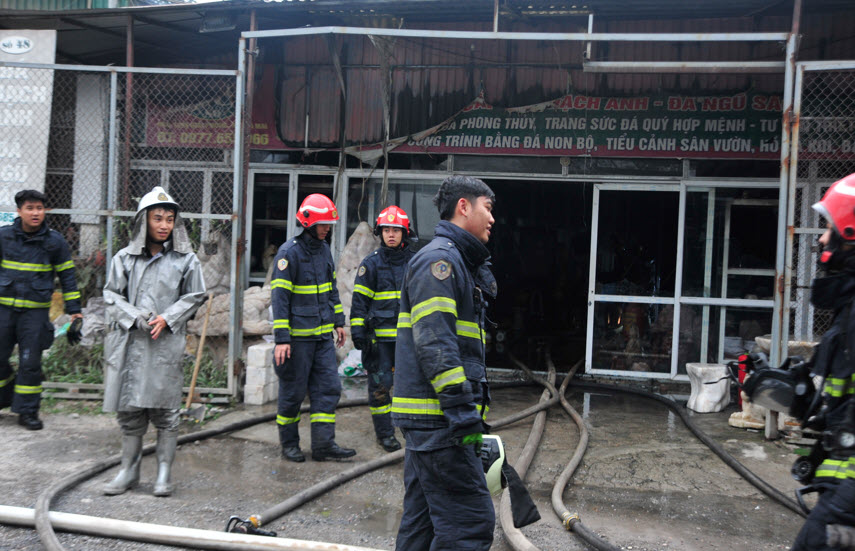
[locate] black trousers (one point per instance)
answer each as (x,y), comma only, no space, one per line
(380,366)
(835,506)
(446,502)
(311,368)
(28,329)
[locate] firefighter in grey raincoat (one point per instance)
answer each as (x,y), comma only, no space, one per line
(154,287)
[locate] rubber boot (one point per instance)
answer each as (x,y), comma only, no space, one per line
(129,474)
(166,442)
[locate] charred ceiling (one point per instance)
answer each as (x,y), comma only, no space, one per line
(171,34)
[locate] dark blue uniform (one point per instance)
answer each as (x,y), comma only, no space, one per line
(836,475)
(29,262)
(306,311)
(374,316)
(441,394)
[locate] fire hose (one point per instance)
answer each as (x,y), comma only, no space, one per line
(571,522)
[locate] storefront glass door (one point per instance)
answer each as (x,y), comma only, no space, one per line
(679,273)
(633,278)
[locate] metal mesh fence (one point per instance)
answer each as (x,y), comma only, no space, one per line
(177,131)
(826,134)
(174,130)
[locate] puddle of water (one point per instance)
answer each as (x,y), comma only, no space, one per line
(382,521)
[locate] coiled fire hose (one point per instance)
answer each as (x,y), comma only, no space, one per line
(43,503)
(570,521)
(48,537)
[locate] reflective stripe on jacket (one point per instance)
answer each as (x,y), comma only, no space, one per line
(833,360)
(28,265)
(376,293)
(440,376)
(303,291)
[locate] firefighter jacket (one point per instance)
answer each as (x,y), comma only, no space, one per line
(303,291)
(440,375)
(28,266)
(141,372)
(376,292)
(834,359)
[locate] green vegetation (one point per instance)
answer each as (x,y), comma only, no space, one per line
(64,363)
(211,374)
(81,407)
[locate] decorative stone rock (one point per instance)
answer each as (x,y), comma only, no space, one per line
(214,255)
(708,398)
(256,317)
(751,416)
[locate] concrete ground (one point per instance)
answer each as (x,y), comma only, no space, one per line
(645,483)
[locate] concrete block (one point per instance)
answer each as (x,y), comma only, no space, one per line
(259,355)
(261,382)
(257,395)
(260,375)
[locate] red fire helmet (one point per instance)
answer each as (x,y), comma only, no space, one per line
(394,217)
(317,209)
(838,207)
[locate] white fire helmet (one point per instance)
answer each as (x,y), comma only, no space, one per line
(492,459)
(157,196)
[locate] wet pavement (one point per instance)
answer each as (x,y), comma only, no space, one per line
(645,483)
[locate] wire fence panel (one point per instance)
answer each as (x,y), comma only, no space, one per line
(170,129)
(826,135)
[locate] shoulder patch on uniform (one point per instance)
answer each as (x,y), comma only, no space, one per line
(361,271)
(440,269)
(282,264)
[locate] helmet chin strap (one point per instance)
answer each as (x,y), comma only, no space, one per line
(837,256)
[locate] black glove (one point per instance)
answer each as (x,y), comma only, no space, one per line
(366,345)
(74,332)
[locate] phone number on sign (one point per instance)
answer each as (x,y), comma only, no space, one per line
(204,138)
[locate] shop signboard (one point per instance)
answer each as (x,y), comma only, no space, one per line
(25,107)
(210,123)
(737,126)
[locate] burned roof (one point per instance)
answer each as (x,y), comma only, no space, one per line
(193,34)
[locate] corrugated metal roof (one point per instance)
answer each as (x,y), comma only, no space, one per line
(432,79)
(97,36)
(64,5)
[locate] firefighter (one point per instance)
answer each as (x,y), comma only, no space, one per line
(308,316)
(441,393)
(374,316)
(834,289)
(32,254)
(155,285)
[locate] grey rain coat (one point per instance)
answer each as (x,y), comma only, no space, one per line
(141,372)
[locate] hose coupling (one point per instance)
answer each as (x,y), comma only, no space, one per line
(568,520)
(249,526)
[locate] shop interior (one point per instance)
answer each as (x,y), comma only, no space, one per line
(541,254)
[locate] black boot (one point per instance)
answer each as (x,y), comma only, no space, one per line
(30,421)
(389,443)
(333,451)
(293,453)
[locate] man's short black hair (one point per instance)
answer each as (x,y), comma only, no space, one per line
(168,207)
(29,195)
(456,187)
